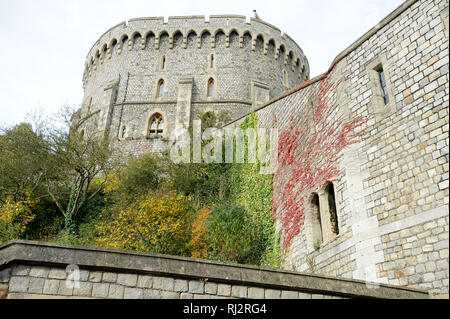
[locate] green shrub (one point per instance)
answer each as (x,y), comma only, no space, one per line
(232,235)
(141,174)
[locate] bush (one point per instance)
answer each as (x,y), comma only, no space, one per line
(140,175)
(157,222)
(15,216)
(198,244)
(233,235)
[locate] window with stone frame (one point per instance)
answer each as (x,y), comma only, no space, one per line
(382,80)
(160,89)
(156,126)
(211,87)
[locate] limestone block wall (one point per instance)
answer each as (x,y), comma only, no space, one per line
(393,191)
(36,270)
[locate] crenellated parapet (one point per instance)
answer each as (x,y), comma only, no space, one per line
(177,32)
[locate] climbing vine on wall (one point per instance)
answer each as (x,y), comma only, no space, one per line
(310,150)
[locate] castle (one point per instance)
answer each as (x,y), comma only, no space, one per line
(147,77)
(385,219)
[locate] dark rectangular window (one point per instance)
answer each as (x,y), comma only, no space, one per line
(383,85)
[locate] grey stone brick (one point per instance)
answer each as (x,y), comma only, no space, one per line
(116,291)
(95,276)
(272,294)
(151,294)
(186,296)
(100,290)
(19,284)
(57,273)
(41,272)
(196,287)
(84,290)
(64,289)
(145,281)
(224,290)
(211,288)
(289,294)
(133,293)
(181,285)
(5,274)
(20,270)
(255,293)
(127,280)
(109,277)
(170,295)
(239,291)
(36,285)
(51,286)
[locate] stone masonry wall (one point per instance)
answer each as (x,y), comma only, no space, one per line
(36,270)
(393,192)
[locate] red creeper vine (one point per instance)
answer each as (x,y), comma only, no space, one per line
(308,152)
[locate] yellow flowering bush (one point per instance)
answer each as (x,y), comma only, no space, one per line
(198,243)
(15,216)
(157,222)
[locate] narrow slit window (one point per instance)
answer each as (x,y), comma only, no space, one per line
(124,132)
(382,78)
(316,222)
(163,63)
(212,61)
(210,87)
(160,91)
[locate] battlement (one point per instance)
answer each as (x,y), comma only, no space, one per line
(136,31)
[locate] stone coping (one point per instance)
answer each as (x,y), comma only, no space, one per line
(55,255)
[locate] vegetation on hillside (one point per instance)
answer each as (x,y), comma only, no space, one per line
(58,186)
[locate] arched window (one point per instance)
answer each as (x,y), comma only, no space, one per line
(123,132)
(332,208)
(160,89)
(210,87)
(316,222)
(156,126)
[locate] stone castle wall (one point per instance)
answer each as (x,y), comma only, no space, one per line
(36,270)
(393,193)
(253,62)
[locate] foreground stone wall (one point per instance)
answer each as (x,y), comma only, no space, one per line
(38,270)
(393,191)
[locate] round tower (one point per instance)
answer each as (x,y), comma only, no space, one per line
(145,77)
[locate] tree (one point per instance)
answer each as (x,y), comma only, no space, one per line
(74,162)
(23,153)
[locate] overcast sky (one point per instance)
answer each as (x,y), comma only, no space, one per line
(45,42)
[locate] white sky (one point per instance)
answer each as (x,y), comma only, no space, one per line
(45,42)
